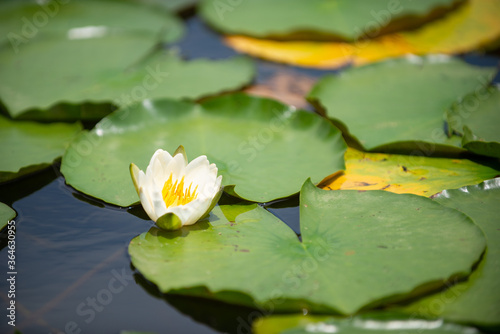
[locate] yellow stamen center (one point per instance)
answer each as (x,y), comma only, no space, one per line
(174,193)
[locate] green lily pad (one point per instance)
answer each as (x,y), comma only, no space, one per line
(374,323)
(320,19)
(24,21)
(95,56)
(476,118)
(99,72)
(254,142)
(356,251)
(477,300)
(6,215)
(399,105)
(26,147)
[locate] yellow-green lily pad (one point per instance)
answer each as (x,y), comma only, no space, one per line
(407,174)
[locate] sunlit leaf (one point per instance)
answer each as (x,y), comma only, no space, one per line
(356,250)
(320,19)
(25,21)
(94,56)
(26,147)
(473,25)
(399,104)
(260,146)
(475,301)
(93,74)
(407,174)
(62,56)
(375,323)
(477,118)
(6,214)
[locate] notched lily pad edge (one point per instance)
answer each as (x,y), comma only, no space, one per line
(427,288)
(417,147)
(243,298)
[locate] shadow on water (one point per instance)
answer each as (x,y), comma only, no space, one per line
(287,210)
(16,189)
(220,316)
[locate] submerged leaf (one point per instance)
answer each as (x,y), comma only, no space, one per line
(356,251)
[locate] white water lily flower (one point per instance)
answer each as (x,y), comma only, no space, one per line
(174,193)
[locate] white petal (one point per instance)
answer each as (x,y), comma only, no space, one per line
(177,166)
(158,166)
(142,179)
(149,169)
(147,204)
(218,183)
(199,162)
(211,189)
(146,181)
(200,173)
(159,206)
(163,158)
(161,155)
(191,212)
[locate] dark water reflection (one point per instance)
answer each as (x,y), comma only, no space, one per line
(73,266)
